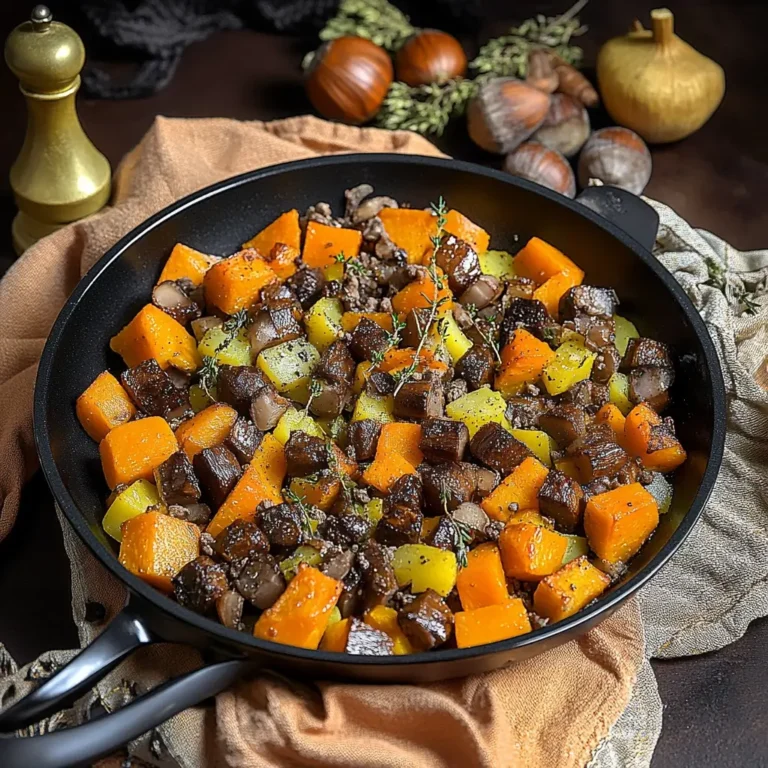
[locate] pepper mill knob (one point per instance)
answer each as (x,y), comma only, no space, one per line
(59,176)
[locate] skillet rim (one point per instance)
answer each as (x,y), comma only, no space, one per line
(554,632)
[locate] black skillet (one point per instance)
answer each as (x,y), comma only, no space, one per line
(607,232)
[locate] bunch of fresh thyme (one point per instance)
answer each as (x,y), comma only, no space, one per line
(376,20)
(306,515)
(436,301)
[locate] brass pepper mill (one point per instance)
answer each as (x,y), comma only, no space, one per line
(59,176)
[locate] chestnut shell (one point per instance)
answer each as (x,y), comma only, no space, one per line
(348,79)
(430,56)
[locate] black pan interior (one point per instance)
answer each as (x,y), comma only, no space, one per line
(228,214)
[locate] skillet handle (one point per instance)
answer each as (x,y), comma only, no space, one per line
(84,744)
(123,635)
(624,209)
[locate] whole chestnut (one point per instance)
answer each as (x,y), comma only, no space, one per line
(616,156)
(348,79)
(504,113)
(566,126)
(537,163)
(430,56)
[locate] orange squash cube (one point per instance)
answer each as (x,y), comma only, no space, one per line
(531,552)
(282,260)
(538,261)
(618,522)
(300,615)
(186,262)
(459,225)
(133,451)
(521,487)
(491,623)
(610,414)
(482,581)
(262,480)
(385,620)
(323,244)
(103,406)
(552,290)
(411,230)
(155,547)
(420,293)
(206,429)
(235,283)
(568,590)
(284,229)
(523,360)
(639,427)
(349,320)
(153,334)
(335,636)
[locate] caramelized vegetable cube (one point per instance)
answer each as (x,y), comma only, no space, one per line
(323,244)
(478,408)
(569,590)
(284,229)
(103,406)
(132,451)
(518,491)
(425,567)
(554,288)
(410,229)
(206,429)
(647,437)
(539,261)
(482,581)
(458,224)
(335,636)
(235,283)
(491,623)
(186,263)
(385,620)
(530,552)
(289,367)
(572,363)
(324,322)
(523,360)
(618,522)
(155,547)
(300,615)
(153,334)
(261,481)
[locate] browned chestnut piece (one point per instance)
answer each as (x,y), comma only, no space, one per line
(616,156)
(541,72)
(348,79)
(566,126)
(504,113)
(537,163)
(430,56)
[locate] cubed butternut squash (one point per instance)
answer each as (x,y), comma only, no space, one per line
(618,522)
(318,492)
(491,623)
(155,547)
(531,552)
(300,615)
(235,283)
(186,263)
(350,320)
(335,636)
(523,360)
(261,481)
(103,406)
(552,290)
(323,244)
(282,260)
(284,229)
(420,293)
(648,439)
(482,581)
(538,261)
(465,229)
(410,229)
(153,334)
(519,490)
(611,415)
(569,590)
(133,450)
(206,429)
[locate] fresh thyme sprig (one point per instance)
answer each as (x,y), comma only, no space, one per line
(441,211)
(208,374)
(462,535)
(376,20)
(489,339)
(340,258)
(306,516)
(356,267)
(393,339)
(315,388)
(231,328)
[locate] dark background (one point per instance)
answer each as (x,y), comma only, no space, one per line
(717,179)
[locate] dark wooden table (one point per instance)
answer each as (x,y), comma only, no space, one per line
(717,179)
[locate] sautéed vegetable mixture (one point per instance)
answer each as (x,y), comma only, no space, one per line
(371,434)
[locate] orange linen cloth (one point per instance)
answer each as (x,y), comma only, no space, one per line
(550,711)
